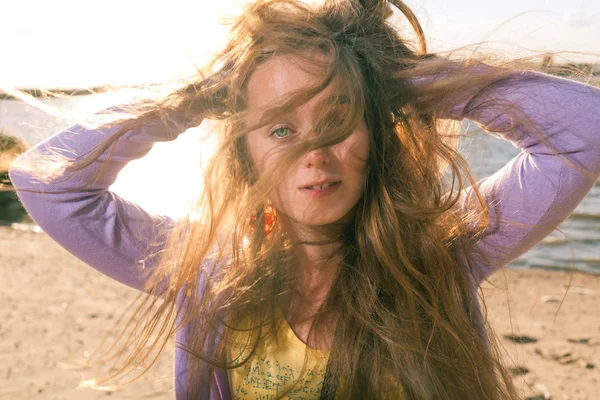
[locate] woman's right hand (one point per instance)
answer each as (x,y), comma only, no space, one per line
(208,97)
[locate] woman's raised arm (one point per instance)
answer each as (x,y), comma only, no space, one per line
(107,232)
(556,124)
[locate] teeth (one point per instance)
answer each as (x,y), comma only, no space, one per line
(316,187)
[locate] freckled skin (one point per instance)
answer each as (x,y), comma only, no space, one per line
(345,161)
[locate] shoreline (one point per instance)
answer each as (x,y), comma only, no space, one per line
(56,307)
(59,92)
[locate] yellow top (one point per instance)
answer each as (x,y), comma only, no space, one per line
(276,366)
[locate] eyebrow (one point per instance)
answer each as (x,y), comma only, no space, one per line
(333,100)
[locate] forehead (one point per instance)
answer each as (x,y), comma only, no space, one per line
(282,75)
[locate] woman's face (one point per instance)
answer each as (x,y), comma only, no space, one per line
(341,167)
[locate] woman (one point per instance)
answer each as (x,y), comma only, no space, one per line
(335,249)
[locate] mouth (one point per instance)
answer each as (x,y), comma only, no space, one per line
(321,189)
(321,186)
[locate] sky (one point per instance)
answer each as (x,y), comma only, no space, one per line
(73,43)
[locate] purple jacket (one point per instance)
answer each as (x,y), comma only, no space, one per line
(536,188)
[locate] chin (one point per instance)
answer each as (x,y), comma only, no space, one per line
(330,218)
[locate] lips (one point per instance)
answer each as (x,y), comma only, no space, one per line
(319,184)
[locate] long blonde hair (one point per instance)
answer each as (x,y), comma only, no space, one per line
(404,289)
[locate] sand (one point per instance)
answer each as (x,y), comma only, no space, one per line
(55,307)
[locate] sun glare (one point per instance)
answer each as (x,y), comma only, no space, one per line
(170,175)
(167,178)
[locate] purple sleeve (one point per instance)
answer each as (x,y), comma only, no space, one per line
(538,189)
(109,233)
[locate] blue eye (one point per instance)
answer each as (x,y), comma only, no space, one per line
(281,132)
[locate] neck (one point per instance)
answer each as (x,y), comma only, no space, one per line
(317,256)
(317,268)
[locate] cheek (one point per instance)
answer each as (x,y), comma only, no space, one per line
(263,156)
(256,150)
(354,152)
(261,153)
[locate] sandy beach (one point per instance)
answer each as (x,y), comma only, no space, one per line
(55,307)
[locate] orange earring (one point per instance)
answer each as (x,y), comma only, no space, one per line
(270,220)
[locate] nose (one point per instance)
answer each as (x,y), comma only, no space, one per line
(317,157)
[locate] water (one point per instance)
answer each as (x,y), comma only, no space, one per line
(154,182)
(575,244)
